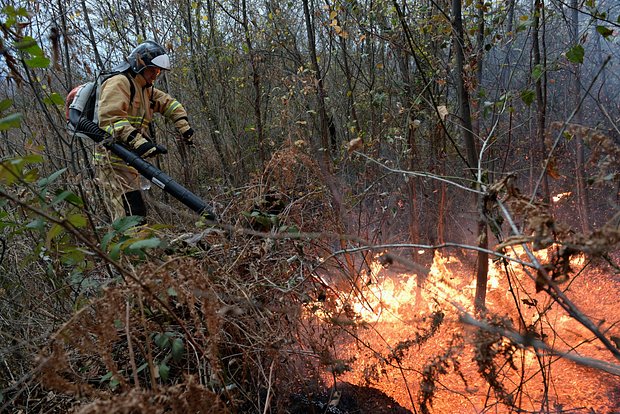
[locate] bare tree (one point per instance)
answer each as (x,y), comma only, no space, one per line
(472,153)
(582,195)
(540,79)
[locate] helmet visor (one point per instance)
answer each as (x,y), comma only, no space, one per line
(161,61)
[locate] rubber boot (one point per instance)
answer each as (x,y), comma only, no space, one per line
(134,205)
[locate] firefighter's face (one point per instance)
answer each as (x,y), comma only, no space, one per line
(151,73)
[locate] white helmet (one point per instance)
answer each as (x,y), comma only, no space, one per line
(147,54)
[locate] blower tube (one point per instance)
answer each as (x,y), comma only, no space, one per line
(146,169)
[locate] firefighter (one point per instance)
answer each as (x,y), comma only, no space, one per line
(126,105)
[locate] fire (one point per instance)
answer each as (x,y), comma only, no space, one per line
(384,299)
(391,297)
(396,311)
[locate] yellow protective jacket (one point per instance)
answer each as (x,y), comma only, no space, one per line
(128,122)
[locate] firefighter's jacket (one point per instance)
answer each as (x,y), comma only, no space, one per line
(128,122)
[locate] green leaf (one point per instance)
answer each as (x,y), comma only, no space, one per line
(288,229)
(11,121)
(106,239)
(575,54)
(68,196)
(29,159)
(28,44)
(125,223)
(72,257)
(114,382)
(22,12)
(77,220)
(37,224)
(146,244)
(38,62)
(115,252)
(31,175)
(54,99)
(43,182)
(604,31)
(5,104)
(178,349)
(106,377)
(54,232)
(164,371)
(162,340)
(528,96)
(8,174)
(537,72)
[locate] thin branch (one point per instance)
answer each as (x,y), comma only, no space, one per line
(420,174)
(538,345)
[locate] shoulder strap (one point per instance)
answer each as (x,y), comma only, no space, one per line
(132,87)
(114,72)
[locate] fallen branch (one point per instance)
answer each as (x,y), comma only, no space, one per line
(538,345)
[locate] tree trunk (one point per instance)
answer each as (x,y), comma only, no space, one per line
(506,65)
(342,41)
(325,123)
(582,195)
(472,155)
(253,57)
(541,99)
(91,36)
(200,71)
(328,143)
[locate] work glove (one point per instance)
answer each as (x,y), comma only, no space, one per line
(145,148)
(150,149)
(188,137)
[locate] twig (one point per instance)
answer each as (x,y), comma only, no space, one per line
(269,382)
(538,345)
(149,351)
(132,358)
(427,247)
(420,174)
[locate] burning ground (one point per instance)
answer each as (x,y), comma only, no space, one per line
(409,340)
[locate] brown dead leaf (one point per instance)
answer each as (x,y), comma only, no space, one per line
(552,169)
(354,145)
(443,112)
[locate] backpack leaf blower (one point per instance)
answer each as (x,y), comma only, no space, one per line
(90,129)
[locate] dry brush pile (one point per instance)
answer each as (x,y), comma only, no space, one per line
(208,322)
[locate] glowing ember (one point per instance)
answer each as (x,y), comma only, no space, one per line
(560,196)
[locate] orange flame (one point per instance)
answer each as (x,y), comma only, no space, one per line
(394,305)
